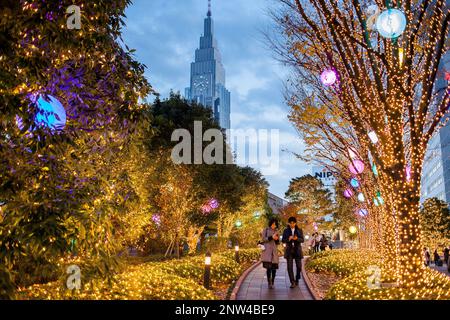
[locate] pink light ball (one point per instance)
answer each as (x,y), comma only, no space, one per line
(356,167)
(328,77)
(348,193)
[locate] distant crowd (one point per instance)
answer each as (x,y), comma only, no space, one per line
(438,260)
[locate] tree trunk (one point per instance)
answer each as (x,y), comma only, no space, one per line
(411,265)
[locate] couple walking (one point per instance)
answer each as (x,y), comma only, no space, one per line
(292,238)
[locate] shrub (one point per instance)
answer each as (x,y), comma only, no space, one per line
(354,287)
(138,283)
(343,262)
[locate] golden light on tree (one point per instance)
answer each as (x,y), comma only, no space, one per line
(388,87)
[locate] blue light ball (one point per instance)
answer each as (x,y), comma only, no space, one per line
(51,113)
(354,183)
(391,23)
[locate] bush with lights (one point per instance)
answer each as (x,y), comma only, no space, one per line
(357,269)
(168,280)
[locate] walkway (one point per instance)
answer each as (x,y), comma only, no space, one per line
(255,286)
(442,269)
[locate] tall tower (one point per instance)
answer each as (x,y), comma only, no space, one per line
(207,85)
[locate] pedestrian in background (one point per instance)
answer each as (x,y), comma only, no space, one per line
(446,254)
(317,242)
(269,257)
(426,256)
(437,258)
(323,243)
(293,238)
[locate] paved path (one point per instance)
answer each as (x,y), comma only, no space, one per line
(442,269)
(255,287)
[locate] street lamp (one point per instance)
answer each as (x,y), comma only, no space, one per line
(207,274)
(236,253)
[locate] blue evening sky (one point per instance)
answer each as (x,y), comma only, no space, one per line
(166,33)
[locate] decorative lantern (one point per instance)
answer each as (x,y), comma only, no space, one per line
(257,214)
(328,77)
(348,193)
(356,167)
(354,183)
(374,170)
(361,197)
(352,153)
(206,208)
(51,113)
(316,227)
(391,23)
(373,137)
(379,198)
(156,218)
(363,212)
(213,203)
(238,223)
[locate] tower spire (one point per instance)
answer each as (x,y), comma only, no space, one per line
(209,8)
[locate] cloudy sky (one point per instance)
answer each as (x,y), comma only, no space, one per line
(166,33)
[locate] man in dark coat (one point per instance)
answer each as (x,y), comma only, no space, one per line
(293,238)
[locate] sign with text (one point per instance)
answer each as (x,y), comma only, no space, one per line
(325,175)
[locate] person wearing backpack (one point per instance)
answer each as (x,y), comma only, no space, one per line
(269,257)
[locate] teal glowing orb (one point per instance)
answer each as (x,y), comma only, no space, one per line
(391,23)
(354,183)
(374,170)
(51,113)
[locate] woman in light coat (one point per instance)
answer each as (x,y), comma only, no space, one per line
(269,257)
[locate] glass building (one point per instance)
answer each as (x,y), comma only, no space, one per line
(207,85)
(436,168)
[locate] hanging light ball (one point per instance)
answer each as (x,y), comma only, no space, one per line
(156,218)
(356,167)
(354,183)
(353,229)
(51,113)
(213,203)
(391,23)
(348,193)
(374,170)
(238,223)
(361,197)
(363,212)
(376,202)
(328,77)
(257,214)
(206,208)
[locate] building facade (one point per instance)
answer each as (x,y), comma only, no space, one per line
(276,203)
(436,168)
(207,85)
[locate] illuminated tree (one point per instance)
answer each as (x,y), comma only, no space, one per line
(55,183)
(435,221)
(310,196)
(386,86)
